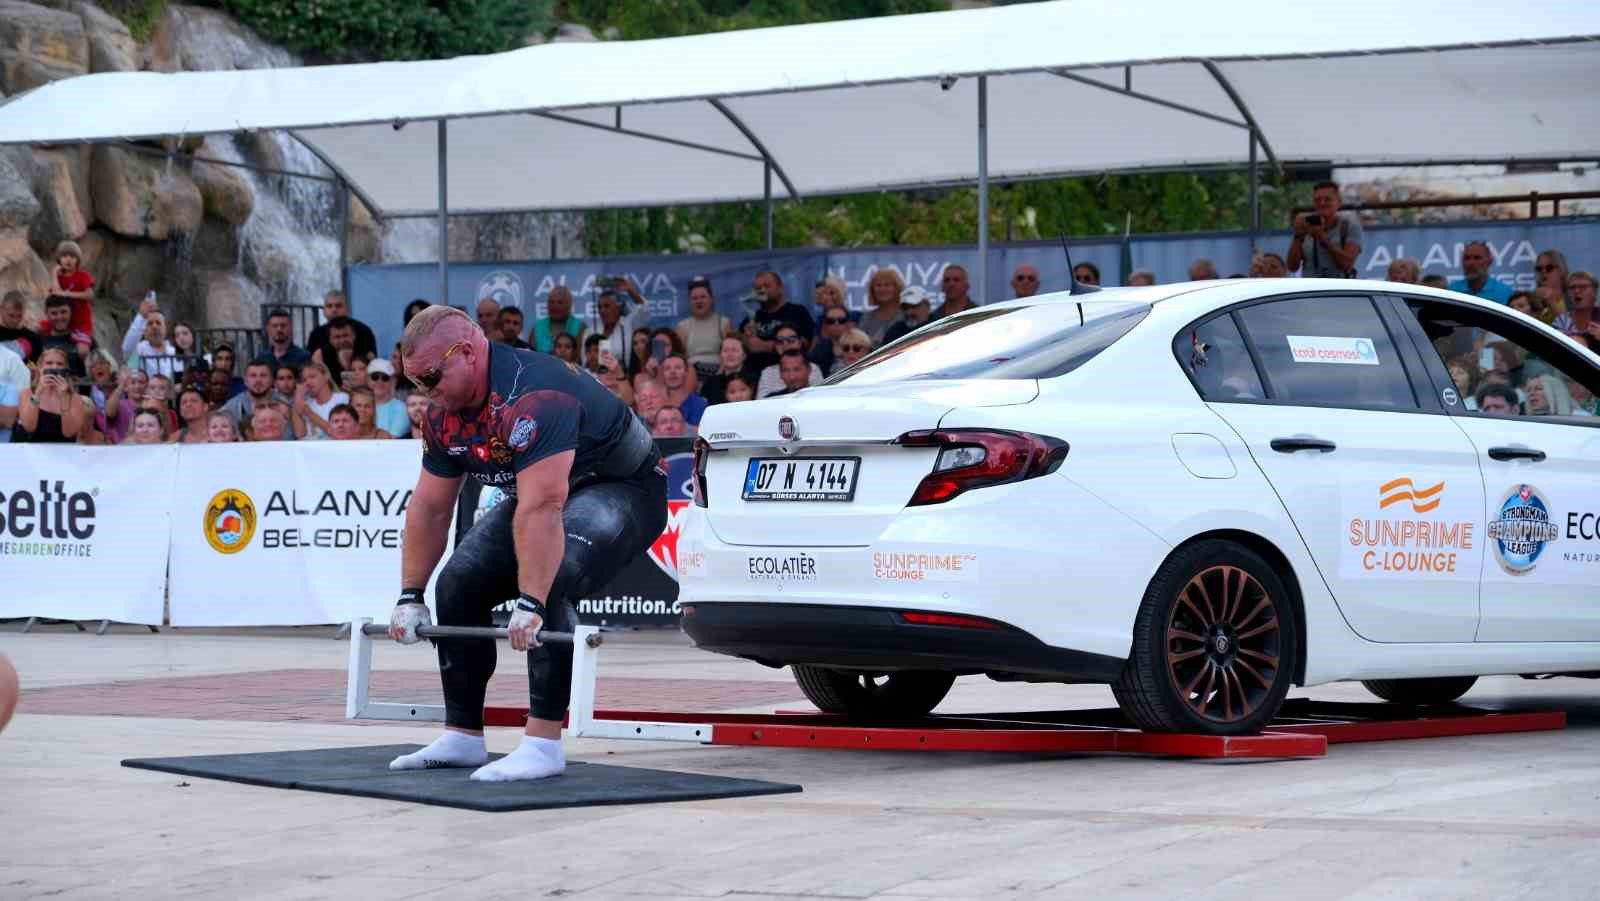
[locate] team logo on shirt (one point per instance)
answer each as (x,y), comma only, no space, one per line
(523,432)
(230,521)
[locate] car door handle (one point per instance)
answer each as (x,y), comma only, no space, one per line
(1516,453)
(1290,445)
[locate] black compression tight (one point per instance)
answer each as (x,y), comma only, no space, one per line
(608,524)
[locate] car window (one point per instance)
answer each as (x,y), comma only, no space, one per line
(1329,350)
(1503,367)
(1033,341)
(1214,356)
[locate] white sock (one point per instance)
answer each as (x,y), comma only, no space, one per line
(535,758)
(450,749)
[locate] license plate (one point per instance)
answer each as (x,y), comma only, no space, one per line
(801,479)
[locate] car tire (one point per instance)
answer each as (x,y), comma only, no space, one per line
(1214,647)
(1417,692)
(863,695)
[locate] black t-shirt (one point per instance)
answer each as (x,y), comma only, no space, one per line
(767,325)
(23,341)
(366,341)
(75,362)
(538,406)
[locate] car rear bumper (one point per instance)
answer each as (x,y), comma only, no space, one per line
(879,639)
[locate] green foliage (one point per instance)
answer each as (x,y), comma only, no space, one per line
(1081,207)
(637,19)
(343,30)
(140,16)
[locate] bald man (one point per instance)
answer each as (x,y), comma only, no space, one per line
(560,320)
(489,316)
(587,493)
(1025,281)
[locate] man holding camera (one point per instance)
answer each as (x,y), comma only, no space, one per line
(1327,242)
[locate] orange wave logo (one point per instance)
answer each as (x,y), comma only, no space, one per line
(1422,499)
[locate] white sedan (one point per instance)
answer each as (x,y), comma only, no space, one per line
(1200,494)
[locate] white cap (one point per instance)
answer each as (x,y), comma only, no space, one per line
(379,364)
(914,295)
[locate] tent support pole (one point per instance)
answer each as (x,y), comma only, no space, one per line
(1255,195)
(342,201)
(444,219)
(766,200)
(983,189)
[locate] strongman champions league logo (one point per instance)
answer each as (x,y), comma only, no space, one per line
(230,521)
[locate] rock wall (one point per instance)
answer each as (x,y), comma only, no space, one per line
(215,241)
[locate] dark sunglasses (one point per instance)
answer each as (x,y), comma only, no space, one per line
(836,320)
(379,376)
(1544,268)
(430,379)
(853,348)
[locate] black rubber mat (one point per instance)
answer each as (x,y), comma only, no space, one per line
(364,771)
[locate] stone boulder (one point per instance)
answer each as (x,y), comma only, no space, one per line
(59,183)
(364,242)
(18,206)
(227,300)
(216,244)
(39,45)
(22,270)
(136,197)
(226,193)
(136,267)
(111,47)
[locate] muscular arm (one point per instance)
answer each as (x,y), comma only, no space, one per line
(428,516)
(537,530)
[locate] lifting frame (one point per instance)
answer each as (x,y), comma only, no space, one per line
(1304,728)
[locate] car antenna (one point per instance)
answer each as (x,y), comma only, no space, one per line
(1075,287)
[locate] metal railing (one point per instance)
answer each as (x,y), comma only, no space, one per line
(1533,199)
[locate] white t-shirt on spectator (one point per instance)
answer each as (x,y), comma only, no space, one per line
(164,361)
(323,409)
(13,371)
(771,383)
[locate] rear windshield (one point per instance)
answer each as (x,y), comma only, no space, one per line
(1037,341)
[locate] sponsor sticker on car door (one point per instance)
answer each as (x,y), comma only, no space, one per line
(1410,527)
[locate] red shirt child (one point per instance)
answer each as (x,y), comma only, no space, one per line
(78,284)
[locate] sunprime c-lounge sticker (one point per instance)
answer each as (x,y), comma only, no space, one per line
(1324,349)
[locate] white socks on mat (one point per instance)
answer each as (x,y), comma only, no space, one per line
(450,749)
(535,758)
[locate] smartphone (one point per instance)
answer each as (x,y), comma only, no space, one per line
(1486,359)
(658,350)
(1314,219)
(62,373)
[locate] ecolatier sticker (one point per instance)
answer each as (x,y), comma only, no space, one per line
(781,568)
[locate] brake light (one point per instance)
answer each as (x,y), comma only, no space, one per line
(975,458)
(697,484)
(948,619)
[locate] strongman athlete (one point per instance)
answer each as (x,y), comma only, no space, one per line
(586,491)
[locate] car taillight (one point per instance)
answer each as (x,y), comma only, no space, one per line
(974,458)
(948,619)
(702,450)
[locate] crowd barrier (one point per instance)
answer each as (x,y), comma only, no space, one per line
(271,534)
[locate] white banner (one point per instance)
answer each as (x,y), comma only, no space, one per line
(289,533)
(83,531)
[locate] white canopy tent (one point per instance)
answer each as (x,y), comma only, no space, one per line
(1011,93)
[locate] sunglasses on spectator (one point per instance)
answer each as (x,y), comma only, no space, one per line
(1545,268)
(836,320)
(1027,278)
(784,339)
(430,379)
(378,376)
(853,348)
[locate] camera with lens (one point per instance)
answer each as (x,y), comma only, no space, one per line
(1314,219)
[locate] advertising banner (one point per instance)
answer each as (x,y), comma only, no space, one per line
(289,533)
(379,293)
(83,531)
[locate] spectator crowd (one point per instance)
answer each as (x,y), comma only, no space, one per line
(58,386)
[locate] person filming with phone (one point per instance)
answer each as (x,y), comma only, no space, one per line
(1325,243)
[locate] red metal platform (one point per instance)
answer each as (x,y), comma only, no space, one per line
(1304,728)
